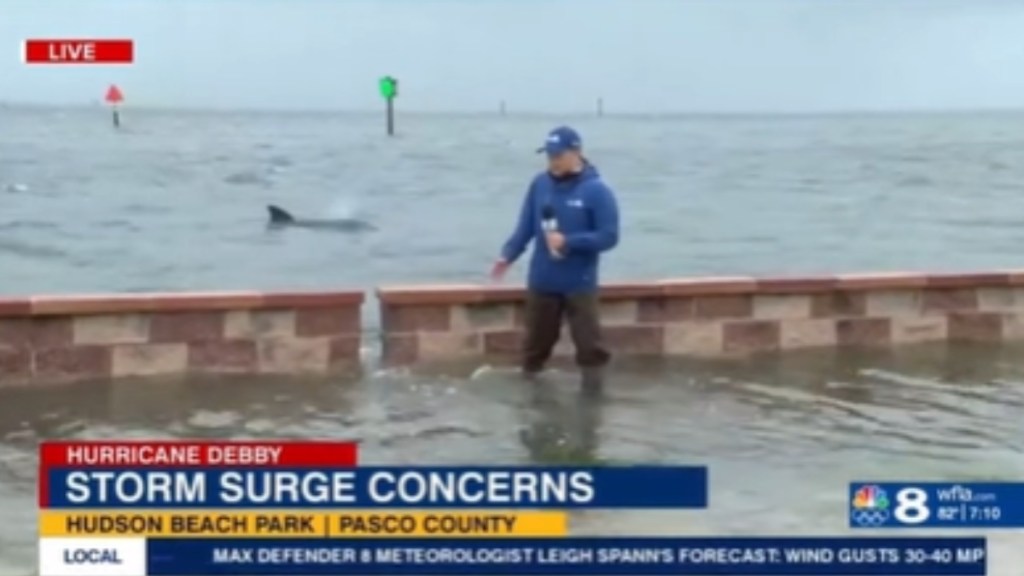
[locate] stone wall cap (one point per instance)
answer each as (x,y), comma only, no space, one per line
(90,304)
(455,294)
(708,285)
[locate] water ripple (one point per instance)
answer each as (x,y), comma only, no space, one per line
(31,251)
(16,187)
(16,225)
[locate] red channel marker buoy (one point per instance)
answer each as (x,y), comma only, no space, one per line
(115,97)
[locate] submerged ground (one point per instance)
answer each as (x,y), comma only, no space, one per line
(783,435)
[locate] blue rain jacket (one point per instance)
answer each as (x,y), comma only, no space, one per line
(586,213)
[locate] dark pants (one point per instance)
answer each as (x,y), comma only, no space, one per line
(544,315)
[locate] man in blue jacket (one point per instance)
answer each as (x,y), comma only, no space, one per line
(574,217)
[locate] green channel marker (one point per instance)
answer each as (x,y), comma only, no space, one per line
(388,87)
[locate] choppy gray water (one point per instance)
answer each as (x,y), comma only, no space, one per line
(176,201)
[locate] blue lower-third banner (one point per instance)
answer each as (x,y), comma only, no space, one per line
(589,556)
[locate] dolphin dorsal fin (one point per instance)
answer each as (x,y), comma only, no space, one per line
(278,214)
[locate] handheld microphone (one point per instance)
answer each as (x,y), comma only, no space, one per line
(549,224)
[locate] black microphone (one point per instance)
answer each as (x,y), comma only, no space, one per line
(549,224)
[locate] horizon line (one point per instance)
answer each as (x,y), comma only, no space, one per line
(159,107)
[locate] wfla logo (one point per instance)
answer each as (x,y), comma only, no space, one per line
(870,506)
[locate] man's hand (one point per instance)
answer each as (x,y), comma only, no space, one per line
(499,269)
(556,241)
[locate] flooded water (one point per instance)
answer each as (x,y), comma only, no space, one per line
(177,201)
(783,435)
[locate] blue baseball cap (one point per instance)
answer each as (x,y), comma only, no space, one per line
(561,139)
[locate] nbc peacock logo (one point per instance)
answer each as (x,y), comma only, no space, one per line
(870,498)
(870,506)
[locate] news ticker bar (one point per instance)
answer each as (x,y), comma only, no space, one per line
(78,51)
(580,556)
(976,505)
(302,524)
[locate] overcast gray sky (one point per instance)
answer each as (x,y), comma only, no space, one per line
(538,55)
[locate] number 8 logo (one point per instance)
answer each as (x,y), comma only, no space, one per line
(911,506)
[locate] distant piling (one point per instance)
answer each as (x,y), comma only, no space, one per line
(117,118)
(388,87)
(391,116)
(600,107)
(501,107)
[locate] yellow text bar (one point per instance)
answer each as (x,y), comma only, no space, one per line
(301,524)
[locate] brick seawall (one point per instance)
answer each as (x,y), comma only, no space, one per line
(719,316)
(53,339)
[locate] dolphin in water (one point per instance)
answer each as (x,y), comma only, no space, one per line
(281,218)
